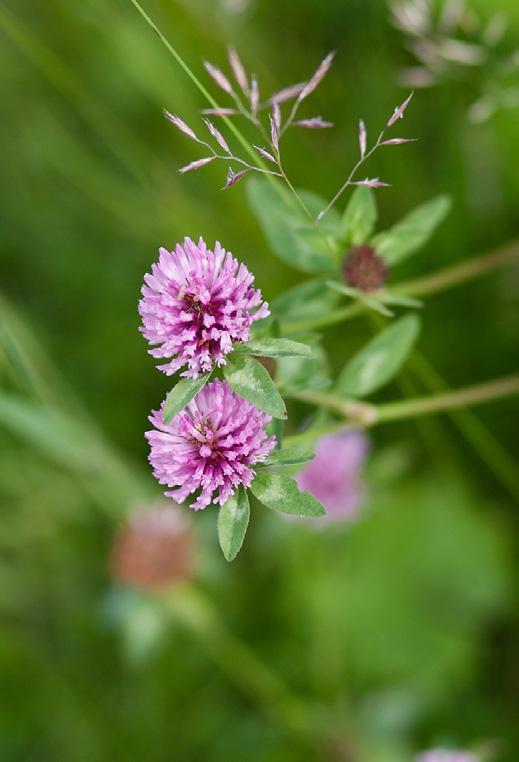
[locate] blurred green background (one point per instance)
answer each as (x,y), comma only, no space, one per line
(396,633)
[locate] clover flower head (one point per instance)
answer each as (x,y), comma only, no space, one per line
(210,447)
(333,475)
(155,548)
(195,304)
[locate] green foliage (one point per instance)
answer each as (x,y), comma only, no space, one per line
(296,373)
(307,300)
(249,379)
(233,519)
(380,359)
(412,232)
(359,218)
(271,347)
(282,494)
(182,393)
(384,628)
(421,576)
(289,456)
(292,237)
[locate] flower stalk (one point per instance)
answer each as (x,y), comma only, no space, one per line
(367,415)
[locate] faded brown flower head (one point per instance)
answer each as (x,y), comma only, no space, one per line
(364,269)
(154,549)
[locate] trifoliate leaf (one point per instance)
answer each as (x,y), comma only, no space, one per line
(359,218)
(249,379)
(282,494)
(269,347)
(181,394)
(412,232)
(380,360)
(233,519)
(293,236)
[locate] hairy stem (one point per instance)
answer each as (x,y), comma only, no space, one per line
(441,280)
(485,444)
(367,415)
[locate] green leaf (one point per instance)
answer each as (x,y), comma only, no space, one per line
(290,456)
(412,232)
(274,348)
(233,519)
(296,373)
(249,379)
(359,218)
(181,394)
(380,360)
(307,300)
(282,494)
(290,233)
(275,427)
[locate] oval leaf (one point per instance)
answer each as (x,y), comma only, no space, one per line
(249,379)
(359,218)
(181,394)
(307,300)
(289,232)
(282,494)
(289,456)
(270,347)
(233,519)
(380,360)
(412,232)
(296,373)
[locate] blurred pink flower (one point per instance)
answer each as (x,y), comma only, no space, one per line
(333,476)
(154,549)
(195,304)
(210,447)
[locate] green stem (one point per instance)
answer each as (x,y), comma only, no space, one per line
(457,398)
(489,449)
(365,414)
(441,280)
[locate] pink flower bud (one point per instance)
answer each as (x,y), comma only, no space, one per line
(274,135)
(233,178)
(287,93)
(238,70)
(196,164)
(254,95)
(317,78)
(362,138)
(220,111)
(398,141)
(315,123)
(217,135)
(399,111)
(219,77)
(374,183)
(181,125)
(265,154)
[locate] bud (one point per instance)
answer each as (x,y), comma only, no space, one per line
(362,138)
(219,77)
(196,164)
(154,549)
(364,269)
(234,177)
